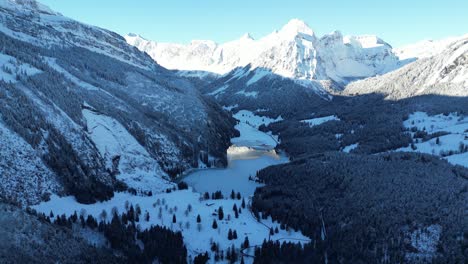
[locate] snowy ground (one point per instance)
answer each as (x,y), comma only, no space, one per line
(351,147)
(250,135)
(243,162)
(197,238)
(122,152)
(448,145)
(10,67)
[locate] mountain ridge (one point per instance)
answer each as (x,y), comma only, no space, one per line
(294,51)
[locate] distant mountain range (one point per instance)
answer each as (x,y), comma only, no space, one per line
(326,65)
(294,51)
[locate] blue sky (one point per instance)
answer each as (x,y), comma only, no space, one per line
(398,22)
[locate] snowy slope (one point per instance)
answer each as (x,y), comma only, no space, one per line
(443,74)
(292,52)
(124,155)
(424,49)
(452,145)
(45,27)
(51,65)
(24,178)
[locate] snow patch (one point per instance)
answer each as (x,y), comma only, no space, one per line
(124,155)
(320,120)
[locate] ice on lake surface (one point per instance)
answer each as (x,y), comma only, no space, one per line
(242,163)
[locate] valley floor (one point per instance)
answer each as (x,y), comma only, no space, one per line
(186,205)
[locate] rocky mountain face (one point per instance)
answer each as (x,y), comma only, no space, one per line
(295,52)
(445,73)
(289,71)
(81,109)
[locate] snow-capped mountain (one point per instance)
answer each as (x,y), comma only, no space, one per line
(292,52)
(92,113)
(443,74)
(425,48)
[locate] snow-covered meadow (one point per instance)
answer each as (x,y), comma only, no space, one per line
(452,142)
(250,135)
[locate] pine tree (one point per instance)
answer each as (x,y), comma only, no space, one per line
(124,219)
(234,234)
(230,234)
(246,243)
(147,217)
(438,141)
(233,195)
(220,213)
(198,219)
(243,203)
(215,225)
(174,219)
(238,196)
(236,212)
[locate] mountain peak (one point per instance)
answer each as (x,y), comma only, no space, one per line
(295,26)
(247,36)
(26,5)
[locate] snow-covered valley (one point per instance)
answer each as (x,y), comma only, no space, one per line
(162,207)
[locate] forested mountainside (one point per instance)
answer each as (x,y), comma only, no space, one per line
(58,76)
(259,89)
(26,238)
(348,171)
(344,174)
(395,208)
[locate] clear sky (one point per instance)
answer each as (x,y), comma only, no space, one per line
(397,22)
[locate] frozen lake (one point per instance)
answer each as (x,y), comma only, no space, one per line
(251,152)
(242,163)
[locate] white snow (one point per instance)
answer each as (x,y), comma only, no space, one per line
(425,241)
(248,94)
(320,120)
(293,52)
(250,135)
(135,165)
(230,107)
(10,67)
(351,147)
(256,121)
(196,241)
(445,73)
(449,145)
(219,90)
(424,49)
(112,139)
(24,178)
(258,75)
